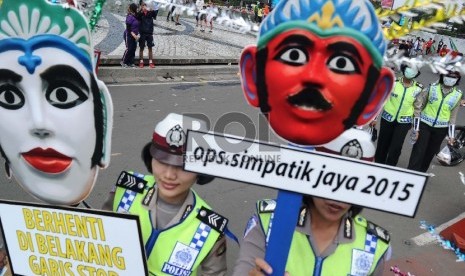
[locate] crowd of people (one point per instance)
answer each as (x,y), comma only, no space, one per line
(421,47)
(140,27)
(253,12)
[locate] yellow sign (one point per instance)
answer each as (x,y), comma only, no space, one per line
(48,240)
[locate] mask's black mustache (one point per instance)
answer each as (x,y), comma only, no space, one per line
(310,97)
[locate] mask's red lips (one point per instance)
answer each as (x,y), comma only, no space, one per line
(47,160)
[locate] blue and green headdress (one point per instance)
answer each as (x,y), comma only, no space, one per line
(354,18)
(28,25)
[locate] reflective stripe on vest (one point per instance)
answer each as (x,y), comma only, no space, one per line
(438,108)
(399,106)
(181,248)
(357,258)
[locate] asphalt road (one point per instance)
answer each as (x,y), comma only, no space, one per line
(138,107)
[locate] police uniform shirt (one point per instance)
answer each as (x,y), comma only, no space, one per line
(253,245)
(417,104)
(419,100)
(453,112)
(108,204)
(215,262)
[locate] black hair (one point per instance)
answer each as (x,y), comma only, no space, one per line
(133,7)
(402,68)
(441,77)
(362,101)
(203,179)
(146,156)
(99,121)
(262,90)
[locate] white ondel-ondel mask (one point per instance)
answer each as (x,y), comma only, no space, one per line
(55,116)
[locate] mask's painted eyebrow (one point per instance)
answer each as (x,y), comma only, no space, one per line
(297,39)
(345,47)
(64,73)
(9,76)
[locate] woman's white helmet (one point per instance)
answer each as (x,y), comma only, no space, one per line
(355,143)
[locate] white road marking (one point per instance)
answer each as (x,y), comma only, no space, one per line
(171,83)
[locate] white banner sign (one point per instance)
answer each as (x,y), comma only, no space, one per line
(367,184)
(49,240)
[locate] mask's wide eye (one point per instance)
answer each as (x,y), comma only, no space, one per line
(65,95)
(343,64)
(293,56)
(11,97)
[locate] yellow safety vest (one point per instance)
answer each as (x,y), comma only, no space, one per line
(354,258)
(399,106)
(178,250)
(438,108)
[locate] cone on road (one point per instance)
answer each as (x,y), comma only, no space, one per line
(456,234)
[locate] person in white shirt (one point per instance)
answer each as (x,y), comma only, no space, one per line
(199,4)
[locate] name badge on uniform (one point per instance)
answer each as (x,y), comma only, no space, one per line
(361,262)
(148,197)
(181,261)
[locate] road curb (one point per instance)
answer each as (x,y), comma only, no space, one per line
(116,74)
(115,60)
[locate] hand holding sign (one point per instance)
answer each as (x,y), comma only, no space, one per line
(3,260)
(316,71)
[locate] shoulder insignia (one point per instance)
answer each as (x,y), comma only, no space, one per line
(378,231)
(212,219)
(131,182)
(266,206)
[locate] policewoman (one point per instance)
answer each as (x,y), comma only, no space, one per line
(400,112)
(179,238)
(330,237)
(441,105)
